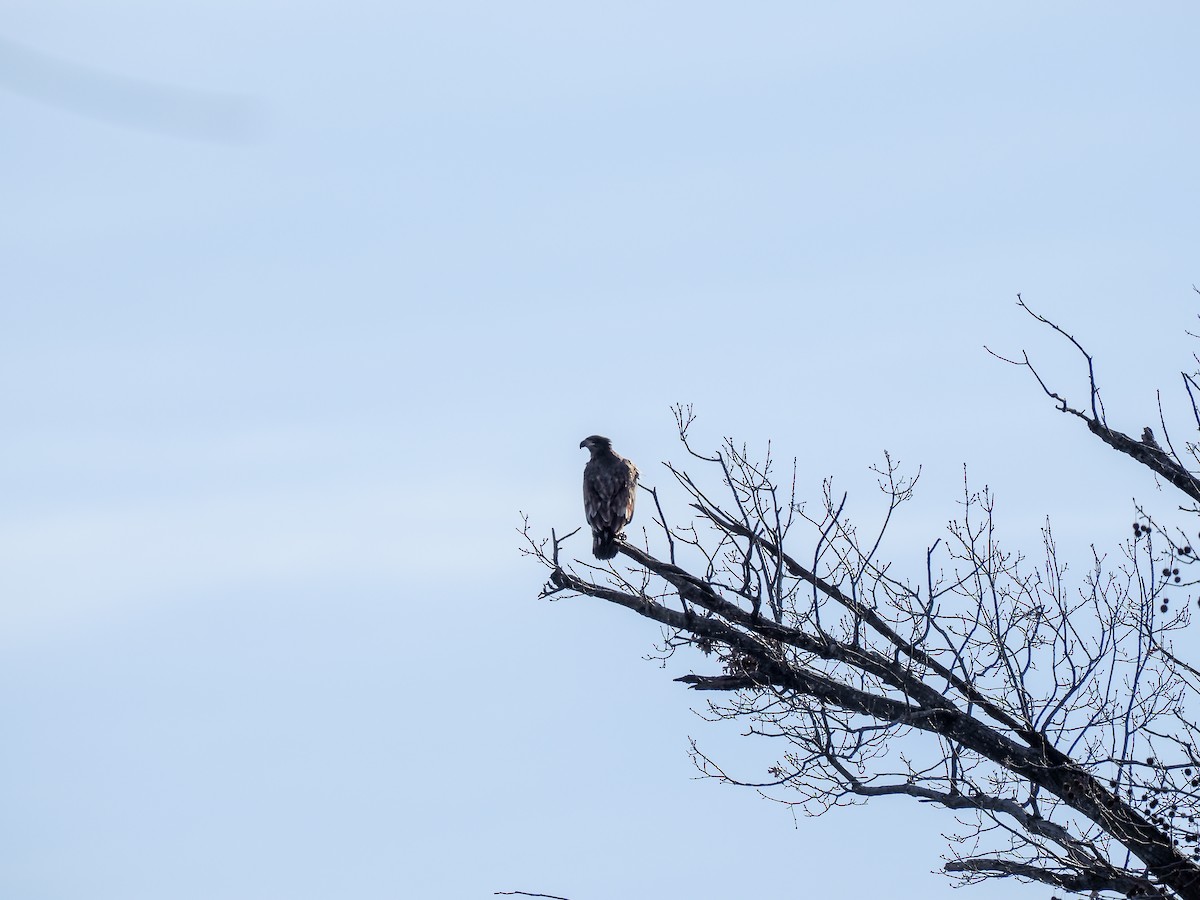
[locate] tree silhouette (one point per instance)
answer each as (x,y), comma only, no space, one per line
(1051,717)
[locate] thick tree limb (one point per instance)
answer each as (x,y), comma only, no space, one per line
(1152,457)
(1146,451)
(1043,766)
(1081,882)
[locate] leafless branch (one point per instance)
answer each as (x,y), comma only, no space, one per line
(1047,712)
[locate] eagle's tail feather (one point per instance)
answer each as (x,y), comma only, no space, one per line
(604,543)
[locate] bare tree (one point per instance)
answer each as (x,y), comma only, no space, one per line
(1050,717)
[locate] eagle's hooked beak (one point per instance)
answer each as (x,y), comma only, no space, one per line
(582,444)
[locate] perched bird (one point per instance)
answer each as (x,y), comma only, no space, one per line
(1148,438)
(609,486)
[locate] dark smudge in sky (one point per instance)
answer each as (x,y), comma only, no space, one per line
(127,101)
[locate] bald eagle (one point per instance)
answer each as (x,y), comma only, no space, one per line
(609,486)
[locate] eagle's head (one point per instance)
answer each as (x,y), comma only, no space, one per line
(595,443)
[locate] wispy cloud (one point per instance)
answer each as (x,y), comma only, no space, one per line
(67,568)
(127,101)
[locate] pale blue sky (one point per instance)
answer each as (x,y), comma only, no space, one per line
(302,302)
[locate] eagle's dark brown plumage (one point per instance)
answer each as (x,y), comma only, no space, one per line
(609,488)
